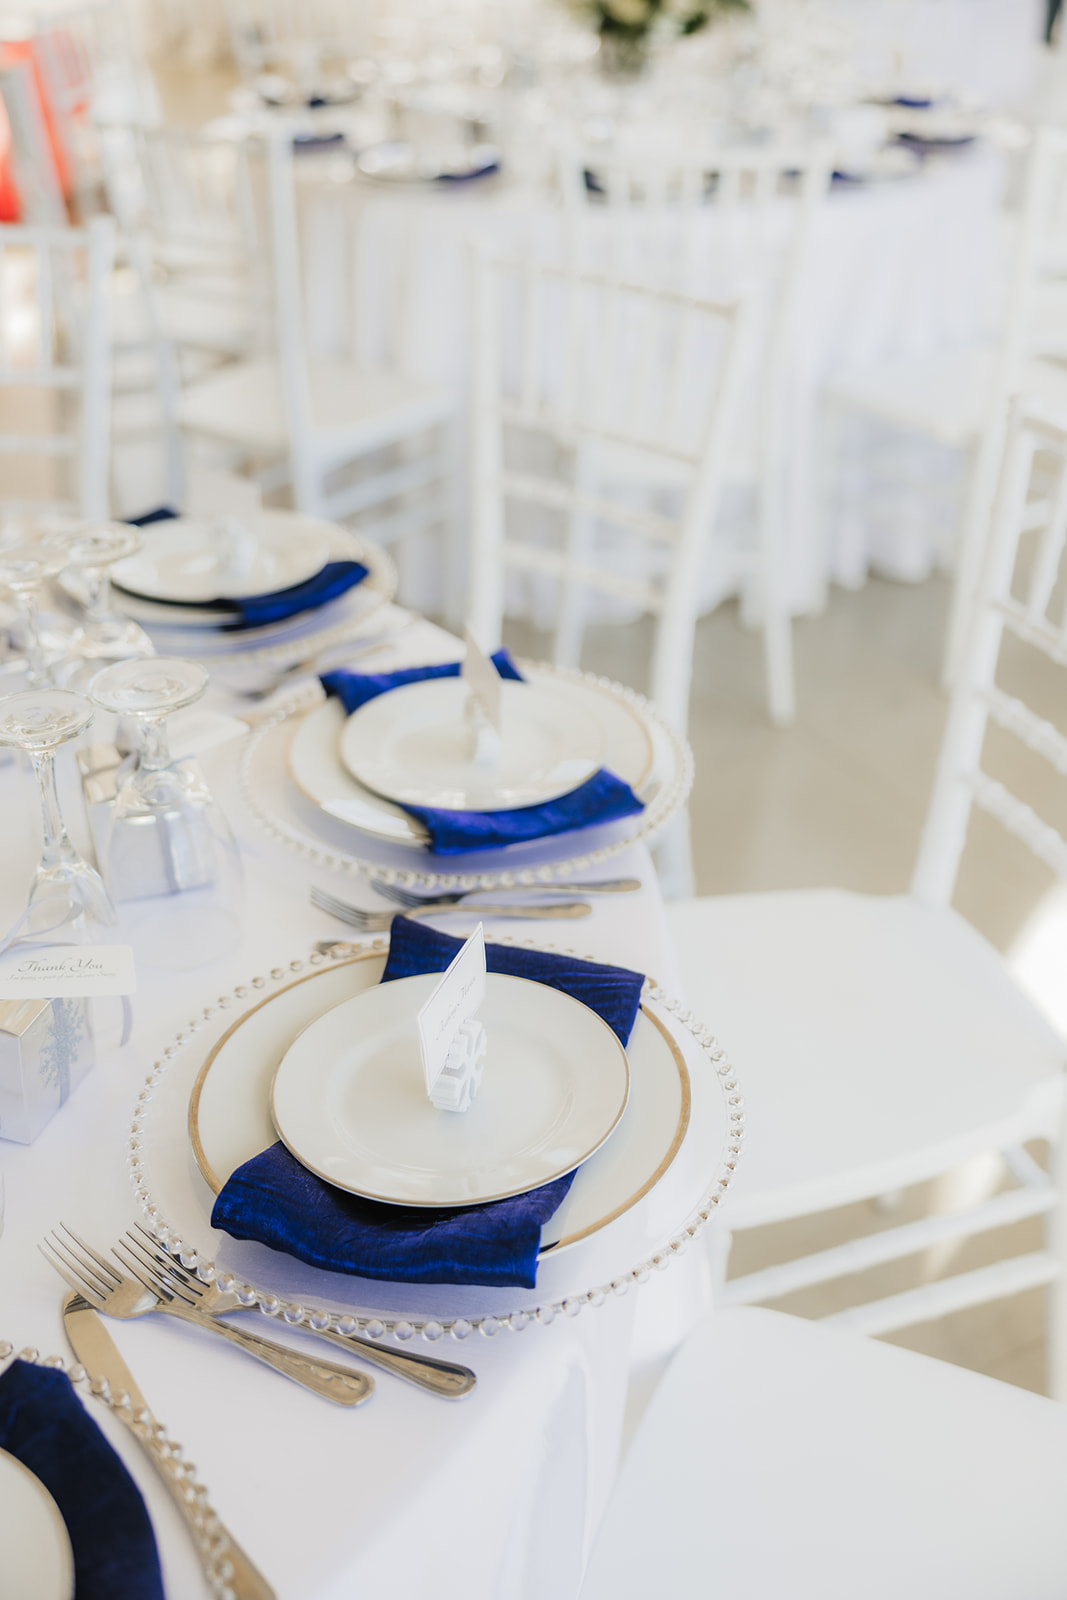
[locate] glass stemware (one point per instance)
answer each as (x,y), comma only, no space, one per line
(171,860)
(92,549)
(23,569)
(67,893)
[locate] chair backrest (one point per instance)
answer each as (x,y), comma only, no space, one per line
(595,363)
(54,367)
(1020,690)
(41,202)
(290,334)
(197,195)
(709,221)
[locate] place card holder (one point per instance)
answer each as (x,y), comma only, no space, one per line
(46,1049)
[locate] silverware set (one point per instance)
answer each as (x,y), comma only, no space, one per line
(140,1278)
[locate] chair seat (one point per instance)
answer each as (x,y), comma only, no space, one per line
(945,396)
(877,1042)
(354,410)
(782,1460)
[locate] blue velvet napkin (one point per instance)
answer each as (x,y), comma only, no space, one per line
(602,798)
(276,1201)
(44,1425)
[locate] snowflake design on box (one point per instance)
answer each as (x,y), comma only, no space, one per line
(67,1032)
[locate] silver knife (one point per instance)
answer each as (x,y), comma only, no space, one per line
(223,1560)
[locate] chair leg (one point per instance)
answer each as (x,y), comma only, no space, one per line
(673,856)
(1056,1293)
(454,554)
(570,623)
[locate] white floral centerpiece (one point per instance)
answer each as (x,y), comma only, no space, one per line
(626,27)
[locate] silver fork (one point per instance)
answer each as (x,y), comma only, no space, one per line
(444,1378)
(408,897)
(381,921)
(116,1295)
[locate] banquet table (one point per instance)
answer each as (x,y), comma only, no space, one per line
(897,267)
(497,1496)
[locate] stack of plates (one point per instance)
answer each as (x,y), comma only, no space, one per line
(181,584)
(411,747)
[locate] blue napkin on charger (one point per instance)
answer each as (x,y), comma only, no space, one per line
(256,611)
(275,1201)
(601,798)
(44,1425)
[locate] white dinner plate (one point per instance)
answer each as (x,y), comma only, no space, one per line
(192,560)
(415,745)
(36,1562)
(349,1097)
(316,767)
(229,1108)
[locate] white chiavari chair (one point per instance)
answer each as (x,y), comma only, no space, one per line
(882,1040)
(713,222)
(583,362)
(54,368)
(960,397)
(329,427)
(296,37)
(780,1459)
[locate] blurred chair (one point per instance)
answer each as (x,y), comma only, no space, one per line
(295,37)
(323,425)
(881,1040)
(571,363)
(961,397)
(781,1461)
(713,222)
(33,157)
(54,368)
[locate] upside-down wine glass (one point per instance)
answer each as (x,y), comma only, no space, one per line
(67,896)
(23,569)
(92,548)
(171,861)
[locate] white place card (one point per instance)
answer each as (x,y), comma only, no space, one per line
(455,1000)
(479,673)
(66,971)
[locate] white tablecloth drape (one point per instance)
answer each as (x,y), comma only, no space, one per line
(495,1498)
(899,267)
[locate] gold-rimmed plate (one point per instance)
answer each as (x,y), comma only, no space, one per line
(230,1120)
(35,1553)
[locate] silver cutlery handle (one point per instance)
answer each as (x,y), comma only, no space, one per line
(326,1378)
(602,886)
(216,1546)
(443,1378)
(568,910)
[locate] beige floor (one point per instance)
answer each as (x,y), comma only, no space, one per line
(840,799)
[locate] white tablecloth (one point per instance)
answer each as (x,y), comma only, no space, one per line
(409,1496)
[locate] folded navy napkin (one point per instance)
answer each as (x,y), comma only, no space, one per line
(276,1201)
(602,798)
(45,1426)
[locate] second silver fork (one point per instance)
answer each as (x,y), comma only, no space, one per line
(380,921)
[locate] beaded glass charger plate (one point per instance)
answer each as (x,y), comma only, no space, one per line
(416,745)
(230,1119)
(191,561)
(349,1098)
(34,1545)
(317,808)
(634,1205)
(200,633)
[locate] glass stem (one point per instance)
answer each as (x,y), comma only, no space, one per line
(37,669)
(155,751)
(96,594)
(57,846)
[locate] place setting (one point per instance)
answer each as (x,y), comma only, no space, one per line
(258,587)
(461,774)
(424,1134)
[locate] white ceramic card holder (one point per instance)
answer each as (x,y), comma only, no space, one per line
(451,1039)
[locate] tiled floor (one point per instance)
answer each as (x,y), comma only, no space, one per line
(840,799)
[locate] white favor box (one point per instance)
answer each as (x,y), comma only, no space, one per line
(46,1048)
